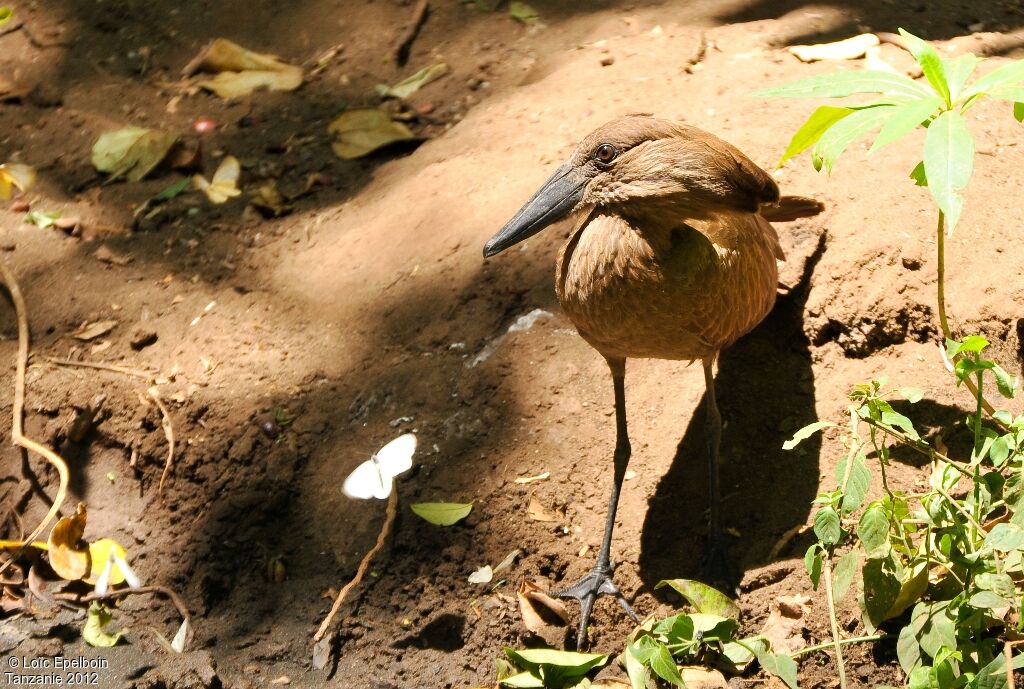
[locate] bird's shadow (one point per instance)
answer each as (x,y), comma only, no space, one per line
(765,388)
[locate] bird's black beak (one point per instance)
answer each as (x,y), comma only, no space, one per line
(552,202)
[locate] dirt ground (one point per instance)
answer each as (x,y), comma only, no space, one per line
(368,311)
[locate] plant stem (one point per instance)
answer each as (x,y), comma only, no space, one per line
(836,641)
(842,642)
(919,445)
(947,334)
(940,251)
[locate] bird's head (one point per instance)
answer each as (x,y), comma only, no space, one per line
(638,165)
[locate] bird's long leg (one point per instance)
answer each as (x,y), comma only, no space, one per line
(717,561)
(599,580)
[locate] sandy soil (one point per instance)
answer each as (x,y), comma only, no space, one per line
(368,311)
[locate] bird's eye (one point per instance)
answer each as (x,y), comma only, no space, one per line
(605,153)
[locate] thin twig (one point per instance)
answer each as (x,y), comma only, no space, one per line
(361,571)
(168,426)
(113,368)
(152,393)
(17,424)
(419,15)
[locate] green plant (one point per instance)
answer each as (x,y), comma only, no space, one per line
(951,555)
(656,649)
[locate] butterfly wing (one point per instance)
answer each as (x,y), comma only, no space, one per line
(367,482)
(396,457)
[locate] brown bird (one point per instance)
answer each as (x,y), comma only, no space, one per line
(672,257)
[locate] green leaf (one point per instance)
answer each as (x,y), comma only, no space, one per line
(897,420)
(1000,450)
(934,626)
(410,85)
(93,632)
(665,667)
(958,70)
(904,119)
(1011,93)
(714,627)
(813,560)
(173,190)
(847,130)
(842,576)
(5,14)
(739,654)
(856,488)
(520,11)
(948,162)
(873,530)
(1005,538)
(1018,112)
(1006,383)
(919,176)
(523,680)
(1007,74)
(811,130)
(931,63)
(908,650)
(703,597)
(881,588)
(912,395)
(972,343)
(986,600)
(540,661)
(827,526)
(442,513)
(993,675)
(42,219)
(780,665)
(805,433)
(842,84)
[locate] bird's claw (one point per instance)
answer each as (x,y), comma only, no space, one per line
(597,582)
(719,566)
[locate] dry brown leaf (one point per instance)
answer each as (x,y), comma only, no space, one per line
(90,331)
(68,553)
(364,130)
(784,625)
(848,49)
(538,512)
(269,201)
(240,71)
(702,678)
(541,613)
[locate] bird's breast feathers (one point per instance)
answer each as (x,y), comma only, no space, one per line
(672,293)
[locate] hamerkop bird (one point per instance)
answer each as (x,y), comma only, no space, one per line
(672,257)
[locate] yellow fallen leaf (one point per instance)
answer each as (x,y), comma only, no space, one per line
(240,71)
(362,131)
(99,617)
(15,175)
(848,49)
(229,85)
(131,152)
(522,480)
(90,331)
(69,555)
(225,181)
(100,553)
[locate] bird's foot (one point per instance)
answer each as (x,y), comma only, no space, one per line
(586,590)
(719,567)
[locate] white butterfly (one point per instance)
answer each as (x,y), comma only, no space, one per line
(373,478)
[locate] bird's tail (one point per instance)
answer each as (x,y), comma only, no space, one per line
(791,208)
